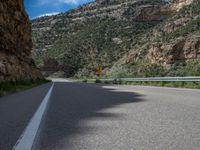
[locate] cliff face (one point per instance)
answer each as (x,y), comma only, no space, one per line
(172,48)
(15,43)
(127,37)
(96,33)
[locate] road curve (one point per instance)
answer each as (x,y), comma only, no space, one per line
(89,116)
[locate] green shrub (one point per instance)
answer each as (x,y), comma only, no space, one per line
(107,82)
(85,81)
(98,81)
(10,87)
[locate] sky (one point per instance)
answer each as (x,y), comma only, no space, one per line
(37,8)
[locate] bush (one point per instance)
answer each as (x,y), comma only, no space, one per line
(11,87)
(98,81)
(107,82)
(85,81)
(115,81)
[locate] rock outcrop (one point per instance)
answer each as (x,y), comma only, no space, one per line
(50,66)
(15,43)
(180,49)
(178,4)
(152,13)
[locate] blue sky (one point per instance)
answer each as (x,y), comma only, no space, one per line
(37,8)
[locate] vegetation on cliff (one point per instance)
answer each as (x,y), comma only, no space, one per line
(128,38)
(172,48)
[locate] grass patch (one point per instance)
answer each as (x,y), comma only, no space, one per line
(84,80)
(192,85)
(11,87)
(178,84)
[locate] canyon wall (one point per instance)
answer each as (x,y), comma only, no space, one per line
(129,38)
(15,43)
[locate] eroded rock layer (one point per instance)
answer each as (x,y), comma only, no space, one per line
(15,43)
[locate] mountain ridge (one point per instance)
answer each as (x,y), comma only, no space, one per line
(115,35)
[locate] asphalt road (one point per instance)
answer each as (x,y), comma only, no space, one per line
(15,113)
(97,117)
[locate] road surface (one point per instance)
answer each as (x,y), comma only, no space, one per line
(97,117)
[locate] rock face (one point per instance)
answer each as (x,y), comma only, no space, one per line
(120,33)
(178,4)
(180,49)
(15,43)
(96,33)
(50,66)
(153,12)
(149,12)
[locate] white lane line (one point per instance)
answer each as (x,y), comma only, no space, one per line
(25,142)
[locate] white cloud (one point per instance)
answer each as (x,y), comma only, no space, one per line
(70,1)
(58,2)
(48,14)
(56,5)
(76,2)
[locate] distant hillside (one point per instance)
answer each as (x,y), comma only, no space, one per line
(127,37)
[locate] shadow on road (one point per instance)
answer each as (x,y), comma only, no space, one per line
(73,104)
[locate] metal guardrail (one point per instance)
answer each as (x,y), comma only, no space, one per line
(154,79)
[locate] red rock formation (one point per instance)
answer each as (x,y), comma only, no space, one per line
(152,13)
(179,49)
(15,43)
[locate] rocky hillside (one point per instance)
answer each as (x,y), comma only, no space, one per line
(171,48)
(127,37)
(15,43)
